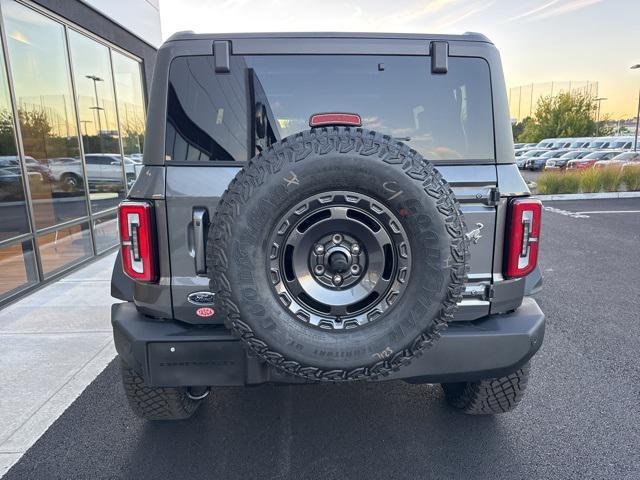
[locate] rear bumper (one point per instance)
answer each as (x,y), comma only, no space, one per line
(169,353)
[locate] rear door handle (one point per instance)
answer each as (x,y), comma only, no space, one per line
(200,228)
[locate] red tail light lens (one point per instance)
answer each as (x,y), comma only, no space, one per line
(523,237)
(323,119)
(137,241)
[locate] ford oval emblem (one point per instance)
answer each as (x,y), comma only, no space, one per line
(202,298)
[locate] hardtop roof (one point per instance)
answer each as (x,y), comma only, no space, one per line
(466,37)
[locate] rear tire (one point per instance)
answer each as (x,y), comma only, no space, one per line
(70,182)
(489,396)
(156,403)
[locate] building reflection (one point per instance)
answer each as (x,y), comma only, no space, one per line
(78,106)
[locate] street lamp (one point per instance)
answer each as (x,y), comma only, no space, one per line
(600,99)
(97,108)
(635,140)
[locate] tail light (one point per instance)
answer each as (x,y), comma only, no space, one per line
(137,240)
(523,237)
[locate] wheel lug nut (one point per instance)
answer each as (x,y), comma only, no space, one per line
(355,249)
(319,269)
(337,279)
(319,249)
(355,269)
(337,238)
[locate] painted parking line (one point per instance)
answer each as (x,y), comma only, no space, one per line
(566,213)
(609,211)
(569,213)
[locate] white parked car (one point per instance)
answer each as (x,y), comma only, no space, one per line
(102,169)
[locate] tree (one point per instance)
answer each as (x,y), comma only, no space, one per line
(7,141)
(518,129)
(562,115)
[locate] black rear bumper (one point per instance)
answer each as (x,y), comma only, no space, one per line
(170,353)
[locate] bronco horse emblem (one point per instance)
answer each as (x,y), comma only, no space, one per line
(474,235)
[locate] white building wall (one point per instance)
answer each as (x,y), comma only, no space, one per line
(140,17)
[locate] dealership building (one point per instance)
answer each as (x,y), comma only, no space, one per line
(73,83)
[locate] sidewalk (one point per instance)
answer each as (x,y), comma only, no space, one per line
(53,343)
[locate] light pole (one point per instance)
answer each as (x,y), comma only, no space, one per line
(635,141)
(599,99)
(97,108)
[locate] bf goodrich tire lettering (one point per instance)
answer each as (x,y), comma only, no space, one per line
(399,190)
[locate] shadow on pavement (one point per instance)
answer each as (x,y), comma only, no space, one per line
(392,430)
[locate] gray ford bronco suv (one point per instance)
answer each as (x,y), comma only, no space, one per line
(327,208)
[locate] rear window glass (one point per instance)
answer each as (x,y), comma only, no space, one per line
(233,116)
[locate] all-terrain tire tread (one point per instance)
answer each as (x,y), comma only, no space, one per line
(324,141)
(489,396)
(156,403)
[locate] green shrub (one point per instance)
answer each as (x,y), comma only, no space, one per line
(570,182)
(631,177)
(590,180)
(610,179)
(549,183)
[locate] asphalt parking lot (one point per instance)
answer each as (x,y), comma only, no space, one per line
(531,175)
(579,419)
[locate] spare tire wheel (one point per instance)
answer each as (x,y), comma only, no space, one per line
(337,254)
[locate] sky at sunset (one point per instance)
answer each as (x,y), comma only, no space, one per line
(540,40)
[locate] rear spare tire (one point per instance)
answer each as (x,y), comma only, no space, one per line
(337,254)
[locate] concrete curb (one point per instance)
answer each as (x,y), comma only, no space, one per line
(587,196)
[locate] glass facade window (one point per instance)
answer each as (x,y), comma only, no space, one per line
(96,104)
(105,232)
(40,71)
(126,72)
(18,267)
(70,106)
(13,208)
(63,247)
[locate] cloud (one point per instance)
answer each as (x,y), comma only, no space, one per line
(455,17)
(533,11)
(553,8)
(409,15)
(567,7)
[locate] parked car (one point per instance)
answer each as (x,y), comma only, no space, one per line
(619,160)
(520,162)
(37,172)
(554,143)
(301,259)
(589,160)
(560,163)
(538,163)
(622,143)
(536,152)
(103,169)
(599,143)
(10,183)
(547,143)
(519,146)
(631,164)
(580,142)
